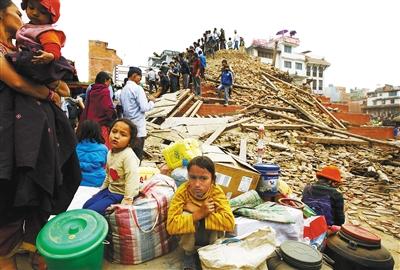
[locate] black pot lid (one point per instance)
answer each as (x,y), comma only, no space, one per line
(300,254)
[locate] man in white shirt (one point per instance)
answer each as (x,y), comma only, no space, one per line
(236,40)
(152,78)
(135,104)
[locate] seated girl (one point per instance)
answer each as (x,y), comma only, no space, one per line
(122,181)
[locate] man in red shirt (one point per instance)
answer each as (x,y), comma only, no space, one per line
(196,66)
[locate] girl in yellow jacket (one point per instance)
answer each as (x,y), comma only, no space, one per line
(199,212)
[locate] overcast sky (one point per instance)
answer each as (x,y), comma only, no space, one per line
(359,38)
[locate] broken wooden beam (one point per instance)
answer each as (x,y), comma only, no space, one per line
(219,131)
(331,129)
(183,94)
(303,111)
(333,140)
(275,127)
(322,108)
(190,110)
(275,108)
(215,135)
(286,83)
(243,149)
(184,103)
(270,83)
(278,146)
(196,109)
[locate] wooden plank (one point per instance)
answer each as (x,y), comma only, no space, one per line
(304,112)
(184,103)
(189,111)
(183,94)
(243,149)
(153,125)
(215,135)
(278,146)
(275,127)
(238,122)
(195,110)
(275,108)
(332,129)
(286,83)
(153,112)
(270,83)
(218,132)
(322,108)
(333,140)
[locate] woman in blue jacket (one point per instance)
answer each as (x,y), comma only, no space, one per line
(92,153)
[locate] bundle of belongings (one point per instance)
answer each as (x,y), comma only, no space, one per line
(138,232)
(253,213)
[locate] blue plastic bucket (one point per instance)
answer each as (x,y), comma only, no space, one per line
(269,177)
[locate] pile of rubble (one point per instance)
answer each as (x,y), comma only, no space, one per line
(302,136)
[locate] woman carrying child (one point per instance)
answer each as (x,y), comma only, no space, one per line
(39,169)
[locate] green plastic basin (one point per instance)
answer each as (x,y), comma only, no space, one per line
(73,240)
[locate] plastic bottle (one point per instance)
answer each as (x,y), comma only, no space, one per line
(180,174)
(260,148)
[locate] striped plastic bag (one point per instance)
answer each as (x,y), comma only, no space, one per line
(137,233)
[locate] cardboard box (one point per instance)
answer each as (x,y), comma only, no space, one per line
(236,178)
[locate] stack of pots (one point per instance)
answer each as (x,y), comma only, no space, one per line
(356,248)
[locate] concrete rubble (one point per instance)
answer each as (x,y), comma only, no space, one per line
(302,136)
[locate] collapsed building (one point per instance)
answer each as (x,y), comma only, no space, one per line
(301,136)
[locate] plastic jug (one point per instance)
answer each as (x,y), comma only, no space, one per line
(180,150)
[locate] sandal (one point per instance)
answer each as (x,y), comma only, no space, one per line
(37,261)
(8,263)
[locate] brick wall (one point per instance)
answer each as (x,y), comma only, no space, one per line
(217,109)
(101,58)
(380,133)
(340,107)
(357,119)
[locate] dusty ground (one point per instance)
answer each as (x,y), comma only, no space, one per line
(172,261)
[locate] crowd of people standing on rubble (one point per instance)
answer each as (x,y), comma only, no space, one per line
(189,68)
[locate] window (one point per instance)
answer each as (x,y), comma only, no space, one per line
(288,49)
(314,71)
(308,70)
(392,94)
(392,101)
(374,102)
(288,64)
(299,66)
(320,85)
(265,54)
(314,85)
(320,72)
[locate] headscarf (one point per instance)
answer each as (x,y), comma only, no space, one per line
(52,6)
